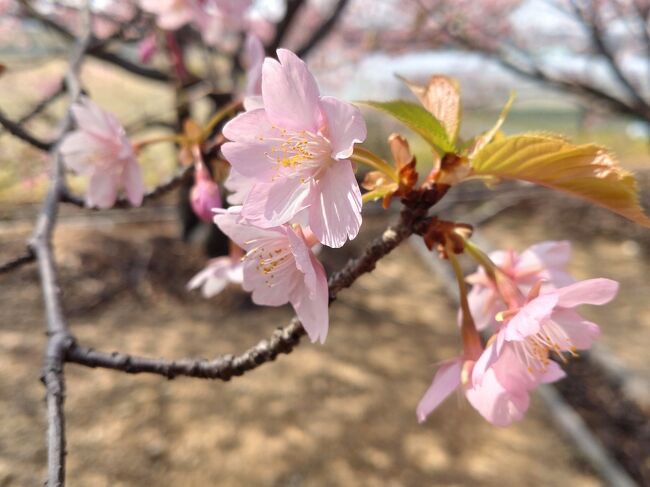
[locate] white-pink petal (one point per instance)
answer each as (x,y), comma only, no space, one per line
(290,93)
(345,126)
(445,381)
(591,291)
(335,208)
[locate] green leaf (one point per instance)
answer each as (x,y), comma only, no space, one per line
(419,120)
(587,171)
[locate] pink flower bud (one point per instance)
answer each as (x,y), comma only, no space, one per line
(205,195)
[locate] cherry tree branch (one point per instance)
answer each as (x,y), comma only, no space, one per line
(24,258)
(59,338)
(17,130)
(283,27)
(324,29)
(282,341)
(42,105)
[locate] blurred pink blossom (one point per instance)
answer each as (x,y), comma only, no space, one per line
(217,275)
(280,268)
(212,18)
(147,48)
(501,395)
(545,261)
(297,150)
(100,150)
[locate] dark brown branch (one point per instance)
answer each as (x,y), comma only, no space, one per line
(17,130)
(283,340)
(282,28)
(324,29)
(24,258)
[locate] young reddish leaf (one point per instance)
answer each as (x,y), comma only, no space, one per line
(441,97)
(419,120)
(586,171)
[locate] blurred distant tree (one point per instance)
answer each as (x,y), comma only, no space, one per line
(597,49)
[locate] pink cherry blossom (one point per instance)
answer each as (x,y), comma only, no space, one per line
(100,150)
(217,275)
(172,14)
(501,396)
(280,268)
(545,261)
(297,149)
(547,323)
(205,194)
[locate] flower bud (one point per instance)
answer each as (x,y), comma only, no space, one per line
(205,195)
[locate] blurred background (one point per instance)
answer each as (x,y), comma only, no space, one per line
(344,413)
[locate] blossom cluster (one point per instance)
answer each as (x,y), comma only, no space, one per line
(294,186)
(527,302)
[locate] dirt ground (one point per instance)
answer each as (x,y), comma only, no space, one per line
(335,415)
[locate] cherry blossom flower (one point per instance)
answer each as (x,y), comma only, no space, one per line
(280,268)
(545,323)
(297,150)
(501,396)
(205,194)
(100,150)
(545,261)
(219,272)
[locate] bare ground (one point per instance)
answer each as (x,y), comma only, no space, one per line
(342,414)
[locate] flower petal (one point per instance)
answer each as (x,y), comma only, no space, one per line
(528,320)
(591,291)
(582,333)
(446,381)
(273,204)
(345,126)
(102,190)
(290,93)
(311,300)
(496,404)
(133,183)
(335,215)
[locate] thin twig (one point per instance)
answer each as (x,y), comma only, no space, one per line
(41,105)
(24,258)
(17,130)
